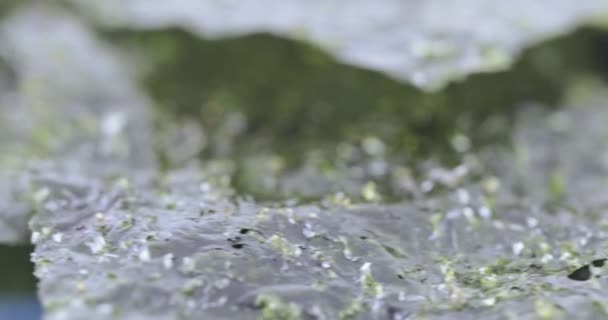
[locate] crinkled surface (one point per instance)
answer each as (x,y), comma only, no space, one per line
(133,256)
(424,43)
(507,233)
(472,248)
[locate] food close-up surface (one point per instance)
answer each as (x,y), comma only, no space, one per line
(303,160)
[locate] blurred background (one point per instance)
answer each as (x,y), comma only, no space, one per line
(17,284)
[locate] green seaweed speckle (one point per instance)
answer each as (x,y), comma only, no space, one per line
(274,309)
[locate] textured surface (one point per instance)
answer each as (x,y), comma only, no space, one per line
(516,233)
(477,246)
